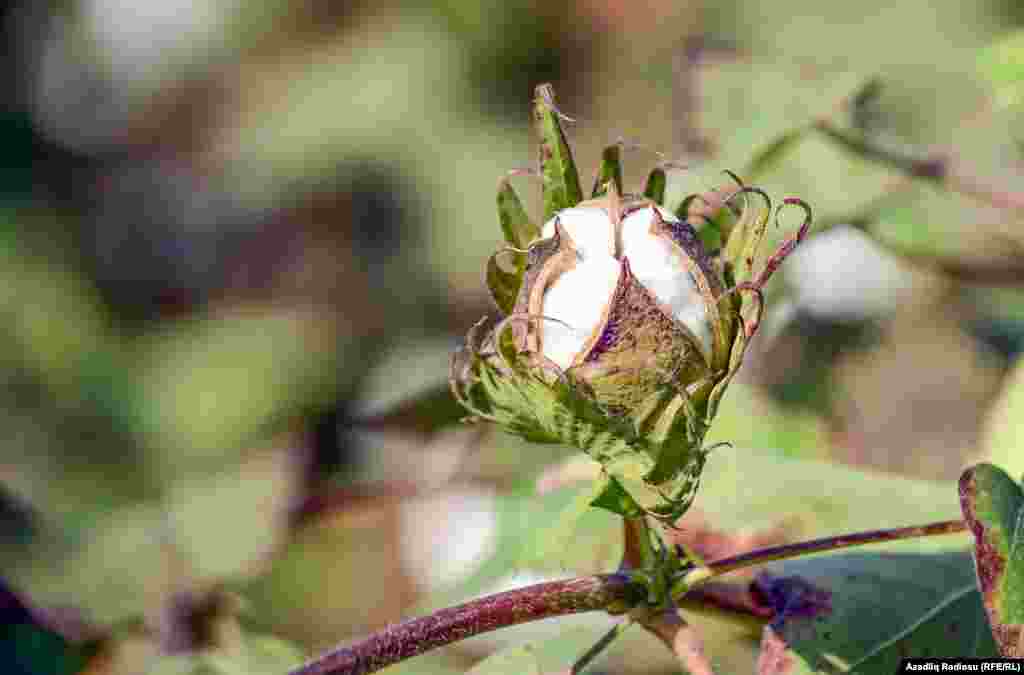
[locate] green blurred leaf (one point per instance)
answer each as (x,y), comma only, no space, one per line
(766,156)
(757,123)
(956,628)
(792,432)
(228,524)
(102,568)
(561,178)
(1002,64)
(992,504)
(214,385)
(1003,440)
(753,489)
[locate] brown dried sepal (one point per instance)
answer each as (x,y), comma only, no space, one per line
(708,281)
(637,348)
(545,262)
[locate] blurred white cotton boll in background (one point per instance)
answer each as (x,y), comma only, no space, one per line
(843,274)
(447,537)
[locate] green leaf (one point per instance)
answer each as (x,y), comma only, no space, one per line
(504,285)
(758,126)
(957,627)
(833,610)
(768,155)
(519,231)
(561,179)
(750,490)
(654,189)
(214,385)
(612,496)
(746,235)
(1003,65)
(991,502)
(610,172)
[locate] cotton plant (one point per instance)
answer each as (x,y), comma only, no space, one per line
(620,330)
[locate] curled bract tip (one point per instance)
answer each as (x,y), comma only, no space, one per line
(805,225)
(736,179)
(749,190)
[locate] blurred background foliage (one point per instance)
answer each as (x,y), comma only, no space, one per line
(239,240)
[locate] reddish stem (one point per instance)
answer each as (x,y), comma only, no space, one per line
(803,548)
(608,592)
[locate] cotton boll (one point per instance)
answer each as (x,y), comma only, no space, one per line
(577,299)
(843,273)
(590,229)
(658,264)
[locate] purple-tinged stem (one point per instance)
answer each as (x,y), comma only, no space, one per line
(799,549)
(607,592)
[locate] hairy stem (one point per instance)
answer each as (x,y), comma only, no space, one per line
(613,593)
(786,551)
(609,592)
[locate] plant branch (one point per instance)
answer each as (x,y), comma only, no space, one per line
(614,593)
(786,551)
(940,168)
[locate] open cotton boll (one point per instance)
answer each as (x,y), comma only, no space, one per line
(658,264)
(590,229)
(577,299)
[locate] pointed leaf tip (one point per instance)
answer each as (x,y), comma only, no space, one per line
(612,496)
(561,179)
(610,171)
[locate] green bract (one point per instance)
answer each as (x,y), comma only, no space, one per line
(620,331)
